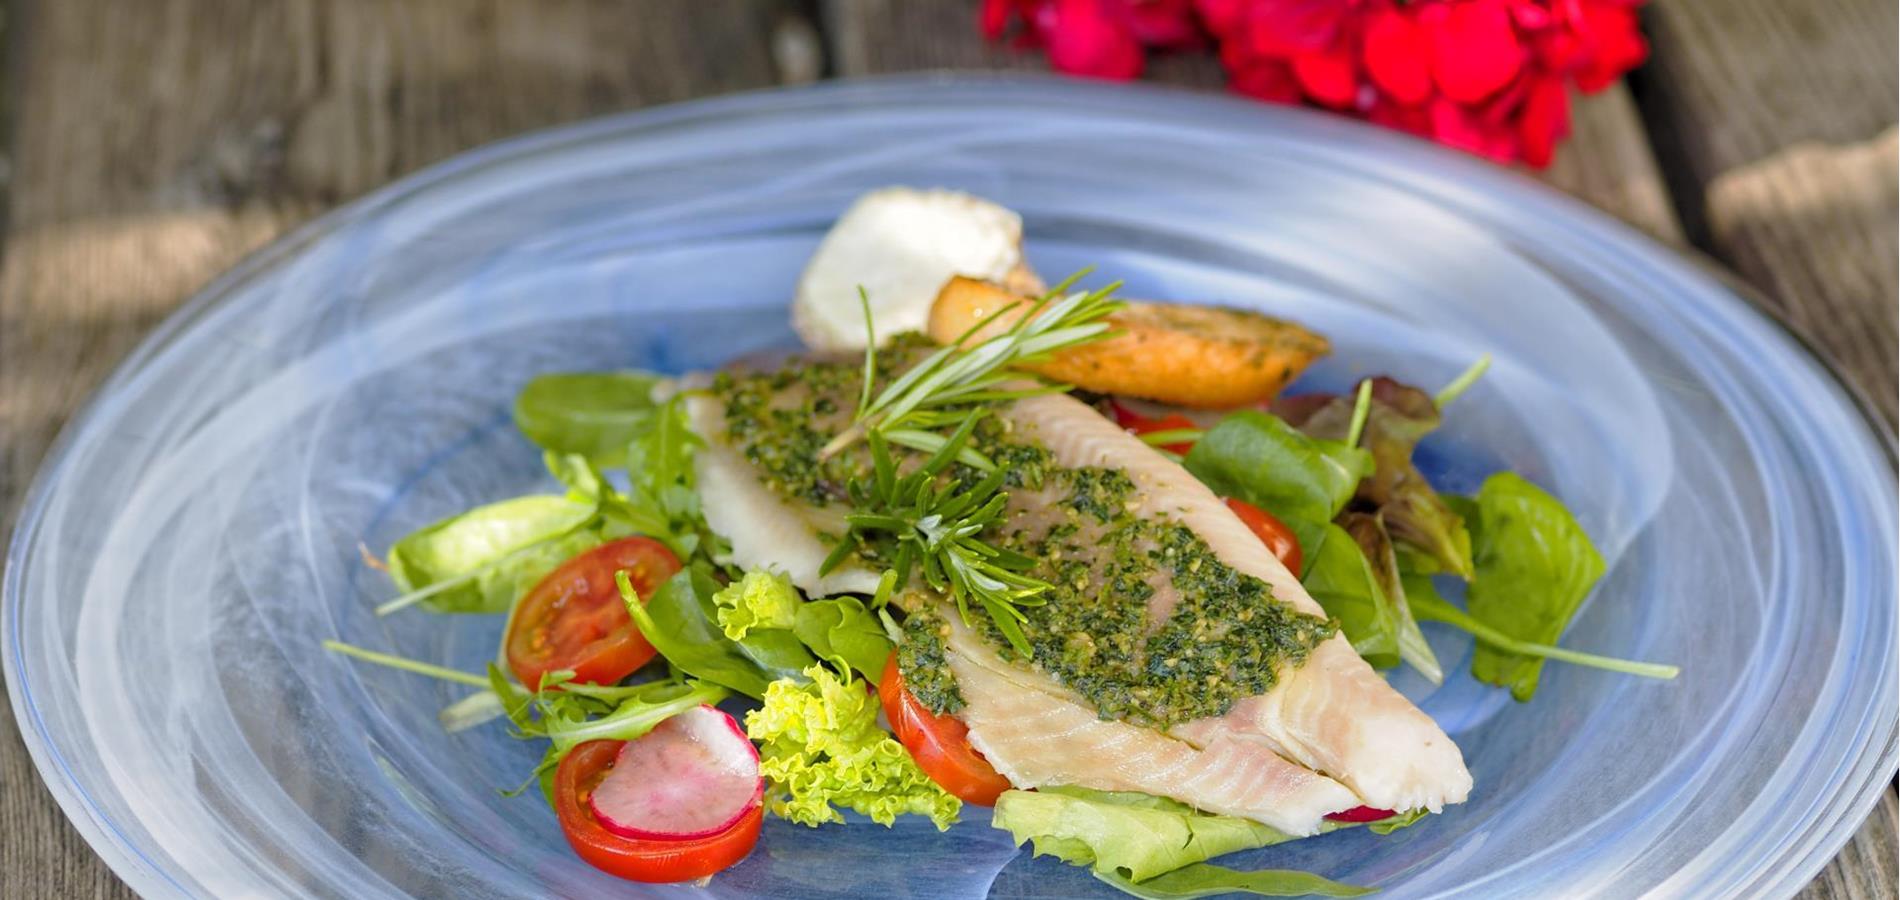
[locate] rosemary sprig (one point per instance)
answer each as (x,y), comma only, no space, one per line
(932,530)
(955,376)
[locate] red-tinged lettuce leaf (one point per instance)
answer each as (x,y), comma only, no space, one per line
(1400,416)
(1368,530)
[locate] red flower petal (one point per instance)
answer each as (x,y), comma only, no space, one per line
(1543,121)
(1288,27)
(1329,76)
(1265,79)
(993,16)
(1398,56)
(1615,45)
(1457,126)
(1087,42)
(1159,23)
(1413,119)
(1474,50)
(1222,17)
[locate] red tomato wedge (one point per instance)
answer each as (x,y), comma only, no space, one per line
(574,618)
(939,744)
(657,861)
(1271,532)
(693,776)
(1137,424)
(1361,814)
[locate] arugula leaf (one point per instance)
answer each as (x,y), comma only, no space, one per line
(1534,568)
(481,560)
(594,414)
(1207,880)
(1303,481)
(845,634)
(661,500)
(680,621)
(1343,582)
(1368,531)
(1400,416)
(1149,846)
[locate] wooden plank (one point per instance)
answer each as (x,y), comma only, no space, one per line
(1607,161)
(1865,869)
(1778,121)
(157,142)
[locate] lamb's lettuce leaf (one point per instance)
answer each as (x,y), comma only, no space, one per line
(594,414)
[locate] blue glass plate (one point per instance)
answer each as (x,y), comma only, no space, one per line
(196,531)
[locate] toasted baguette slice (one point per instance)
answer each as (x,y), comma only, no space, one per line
(1208,357)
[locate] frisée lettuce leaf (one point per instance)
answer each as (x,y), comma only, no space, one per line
(821,750)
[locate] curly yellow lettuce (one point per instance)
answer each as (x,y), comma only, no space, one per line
(821,750)
(757,600)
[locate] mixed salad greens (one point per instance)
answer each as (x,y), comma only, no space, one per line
(627,623)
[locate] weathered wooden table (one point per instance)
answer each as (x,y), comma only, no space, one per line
(154,143)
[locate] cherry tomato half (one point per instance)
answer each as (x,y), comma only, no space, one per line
(1138,424)
(939,744)
(1271,531)
(655,861)
(574,618)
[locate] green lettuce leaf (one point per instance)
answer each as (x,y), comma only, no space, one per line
(1207,880)
(1535,565)
(594,414)
(1400,416)
(481,560)
(1343,582)
(1147,845)
(821,750)
(756,600)
(1137,836)
(842,632)
(1368,531)
(679,621)
(1262,460)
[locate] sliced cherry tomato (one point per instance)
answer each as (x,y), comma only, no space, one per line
(1271,531)
(656,861)
(574,618)
(939,744)
(1137,424)
(1361,814)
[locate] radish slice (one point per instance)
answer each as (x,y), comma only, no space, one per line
(692,776)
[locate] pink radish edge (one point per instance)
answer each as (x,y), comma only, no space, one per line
(693,776)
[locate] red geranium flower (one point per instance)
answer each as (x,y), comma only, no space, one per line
(1488,76)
